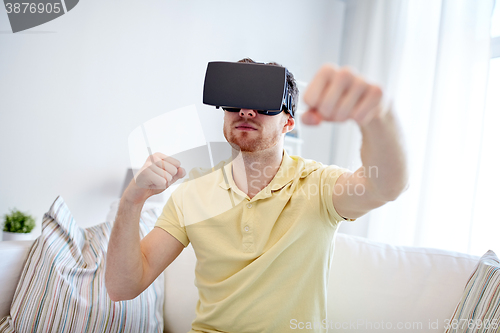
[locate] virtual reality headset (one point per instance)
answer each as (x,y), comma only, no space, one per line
(233,86)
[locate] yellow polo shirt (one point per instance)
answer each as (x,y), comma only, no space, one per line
(262,263)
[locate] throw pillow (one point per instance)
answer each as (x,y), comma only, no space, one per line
(62,288)
(479,308)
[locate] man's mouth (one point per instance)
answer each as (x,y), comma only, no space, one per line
(246,127)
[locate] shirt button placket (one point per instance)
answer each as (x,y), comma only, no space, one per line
(248,240)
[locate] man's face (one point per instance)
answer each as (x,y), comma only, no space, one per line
(251,131)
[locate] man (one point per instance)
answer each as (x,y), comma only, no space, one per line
(262,263)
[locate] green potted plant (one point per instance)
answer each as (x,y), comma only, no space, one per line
(17,226)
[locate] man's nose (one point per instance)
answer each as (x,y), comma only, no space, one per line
(247,113)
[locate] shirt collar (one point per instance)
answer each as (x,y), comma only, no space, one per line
(286,173)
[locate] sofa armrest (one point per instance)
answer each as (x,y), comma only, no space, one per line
(13,256)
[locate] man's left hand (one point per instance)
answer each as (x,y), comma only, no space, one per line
(338,94)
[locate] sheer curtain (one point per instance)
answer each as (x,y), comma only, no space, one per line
(431,58)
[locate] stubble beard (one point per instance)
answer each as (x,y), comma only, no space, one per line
(243,142)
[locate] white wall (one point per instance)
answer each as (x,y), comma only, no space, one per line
(73,89)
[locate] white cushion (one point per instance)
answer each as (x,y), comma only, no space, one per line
(373,283)
(181,295)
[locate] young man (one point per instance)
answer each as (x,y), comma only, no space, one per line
(263,262)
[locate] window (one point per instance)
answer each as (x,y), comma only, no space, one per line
(495,31)
(495,24)
(486,225)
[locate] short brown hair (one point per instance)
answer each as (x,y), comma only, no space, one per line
(290,80)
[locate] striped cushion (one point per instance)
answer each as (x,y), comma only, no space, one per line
(61,288)
(479,308)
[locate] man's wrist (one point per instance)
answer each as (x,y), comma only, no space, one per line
(384,117)
(132,196)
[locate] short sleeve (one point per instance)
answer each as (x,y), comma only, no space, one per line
(172,221)
(329,177)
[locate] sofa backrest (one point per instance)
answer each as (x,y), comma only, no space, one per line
(374,284)
(181,295)
(370,283)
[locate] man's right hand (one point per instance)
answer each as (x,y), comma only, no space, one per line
(154,178)
(133,264)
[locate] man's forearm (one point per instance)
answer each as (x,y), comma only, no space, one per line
(383,156)
(124,266)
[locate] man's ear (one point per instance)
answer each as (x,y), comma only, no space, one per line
(289,125)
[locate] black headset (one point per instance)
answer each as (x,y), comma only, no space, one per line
(233,86)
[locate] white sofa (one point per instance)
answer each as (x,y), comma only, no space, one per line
(373,286)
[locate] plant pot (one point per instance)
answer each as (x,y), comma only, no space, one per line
(16,236)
